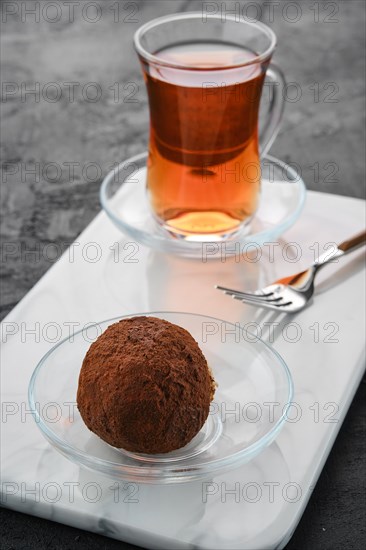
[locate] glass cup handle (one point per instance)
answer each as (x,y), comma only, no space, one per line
(269,131)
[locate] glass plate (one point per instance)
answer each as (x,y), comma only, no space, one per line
(124,198)
(249,409)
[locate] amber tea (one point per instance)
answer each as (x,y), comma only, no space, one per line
(203,173)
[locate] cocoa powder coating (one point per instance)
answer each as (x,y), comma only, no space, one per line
(145,386)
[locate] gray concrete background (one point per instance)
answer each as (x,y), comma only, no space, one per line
(70,142)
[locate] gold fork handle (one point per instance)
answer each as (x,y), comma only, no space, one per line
(344,248)
(353,242)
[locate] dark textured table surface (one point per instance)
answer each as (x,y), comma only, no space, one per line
(89,110)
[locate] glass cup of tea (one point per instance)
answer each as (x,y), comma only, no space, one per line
(204,78)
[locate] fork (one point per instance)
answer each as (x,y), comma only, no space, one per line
(292,293)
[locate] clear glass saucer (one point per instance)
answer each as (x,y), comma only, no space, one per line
(250,406)
(124,198)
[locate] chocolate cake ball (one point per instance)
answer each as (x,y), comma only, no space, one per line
(145,386)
